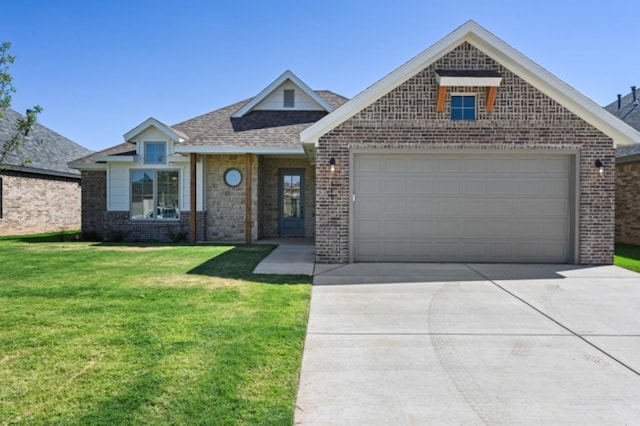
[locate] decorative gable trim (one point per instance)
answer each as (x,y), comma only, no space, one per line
(171,133)
(502,53)
(287,75)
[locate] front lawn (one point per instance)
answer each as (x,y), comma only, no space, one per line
(146,334)
(627,256)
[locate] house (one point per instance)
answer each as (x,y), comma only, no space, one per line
(627,109)
(251,177)
(38,191)
(468,152)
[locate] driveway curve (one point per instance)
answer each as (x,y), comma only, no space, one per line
(471,344)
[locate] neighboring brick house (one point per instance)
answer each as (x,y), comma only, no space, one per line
(468,152)
(43,194)
(627,108)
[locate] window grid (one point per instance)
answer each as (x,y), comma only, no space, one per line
(155,153)
(463,107)
(155,195)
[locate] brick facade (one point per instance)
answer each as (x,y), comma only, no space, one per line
(628,203)
(101,224)
(117,226)
(523,119)
(268,197)
(94,203)
(33,203)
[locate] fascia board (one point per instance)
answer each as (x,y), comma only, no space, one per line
(532,73)
(312,133)
(237,150)
(87,166)
(555,88)
(116,158)
(152,122)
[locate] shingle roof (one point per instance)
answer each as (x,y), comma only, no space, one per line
(268,129)
(124,148)
(49,151)
(630,115)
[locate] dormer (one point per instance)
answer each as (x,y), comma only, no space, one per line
(154,143)
(286,93)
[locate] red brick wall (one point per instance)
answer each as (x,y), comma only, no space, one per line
(34,204)
(98,223)
(523,118)
(628,203)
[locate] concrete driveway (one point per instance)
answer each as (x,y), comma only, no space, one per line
(417,344)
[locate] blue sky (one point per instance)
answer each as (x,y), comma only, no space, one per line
(99,68)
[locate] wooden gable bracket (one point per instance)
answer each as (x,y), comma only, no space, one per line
(442,96)
(467,78)
(492,91)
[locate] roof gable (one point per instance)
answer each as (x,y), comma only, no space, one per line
(152,122)
(286,80)
(503,54)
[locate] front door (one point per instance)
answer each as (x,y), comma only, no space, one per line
(292,203)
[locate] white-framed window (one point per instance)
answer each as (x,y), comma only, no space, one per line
(289,98)
(463,107)
(155,194)
(155,152)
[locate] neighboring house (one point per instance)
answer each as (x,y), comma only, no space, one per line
(627,108)
(469,152)
(38,191)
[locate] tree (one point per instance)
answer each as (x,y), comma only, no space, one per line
(24,125)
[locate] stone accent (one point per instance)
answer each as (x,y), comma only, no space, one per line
(34,203)
(269,198)
(628,203)
(523,118)
(225,205)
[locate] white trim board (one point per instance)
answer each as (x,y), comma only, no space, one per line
(501,52)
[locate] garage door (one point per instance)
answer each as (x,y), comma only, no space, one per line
(462,208)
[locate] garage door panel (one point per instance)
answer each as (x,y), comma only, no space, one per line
(394,187)
(474,187)
(368,207)
(447,187)
(472,207)
(422,229)
(501,187)
(446,207)
(394,207)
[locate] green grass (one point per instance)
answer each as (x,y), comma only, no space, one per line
(627,256)
(146,334)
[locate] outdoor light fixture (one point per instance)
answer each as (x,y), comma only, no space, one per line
(600,167)
(332,164)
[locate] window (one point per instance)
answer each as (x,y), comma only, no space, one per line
(289,98)
(463,107)
(0,198)
(155,153)
(154,195)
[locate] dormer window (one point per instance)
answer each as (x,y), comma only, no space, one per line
(155,152)
(289,98)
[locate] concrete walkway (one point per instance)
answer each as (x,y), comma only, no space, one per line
(293,256)
(471,344)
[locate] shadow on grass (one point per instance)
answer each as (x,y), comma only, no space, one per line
(239,262)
